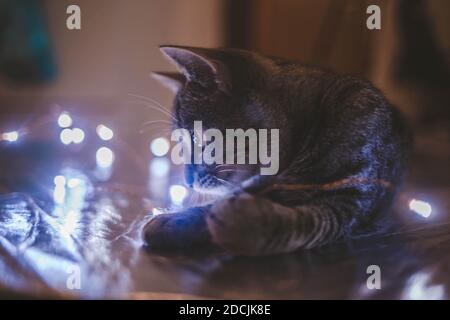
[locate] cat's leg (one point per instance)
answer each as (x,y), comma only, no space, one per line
(250,225)
(179,230)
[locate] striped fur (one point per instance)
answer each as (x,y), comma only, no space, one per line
(343,153)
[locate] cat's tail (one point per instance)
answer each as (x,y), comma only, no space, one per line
(251,225)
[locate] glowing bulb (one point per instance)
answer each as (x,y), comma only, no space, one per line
(420,287)
(159,167)
(66,136)
(422,208)
(105,157)
(59,181)
(64,120)
(160,147)
(73,182)
(78,135)
(104,132)
(59,194)
(177,194)
(12,136)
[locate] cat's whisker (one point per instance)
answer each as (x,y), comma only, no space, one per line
(163,111)
(160,126)
(233,170)
(161,130)
(228,166)
(195,199)
(157,121)
(224,165)
(226,182)
(198,198)
(201,198)
(158,105)
(241,172)
(154,107)
(146,98)
(149,106)
(204,198)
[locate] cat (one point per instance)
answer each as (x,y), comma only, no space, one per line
(343,153)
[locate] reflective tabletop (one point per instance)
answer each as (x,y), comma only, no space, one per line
(73,203)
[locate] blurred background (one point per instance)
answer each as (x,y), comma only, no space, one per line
(92,71)
(78,109)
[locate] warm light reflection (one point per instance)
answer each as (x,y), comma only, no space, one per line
(104,157)
(104,132)
(422,208)
(157,211)
(160,146)
(12,136)
(177,194)
(64,120)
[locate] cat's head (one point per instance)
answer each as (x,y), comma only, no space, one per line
(224,89)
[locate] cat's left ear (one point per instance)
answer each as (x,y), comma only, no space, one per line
(172,80)
(200,65)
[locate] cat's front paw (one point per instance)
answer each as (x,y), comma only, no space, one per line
(176,231)
(237,224)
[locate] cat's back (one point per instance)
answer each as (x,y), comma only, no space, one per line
(347,116)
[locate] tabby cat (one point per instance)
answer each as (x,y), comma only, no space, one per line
(342,153)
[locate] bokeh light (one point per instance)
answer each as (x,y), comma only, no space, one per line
(160,146)
(64,120)
(422,208)
(59,180)
(159,167)
(77,135)
(420,287)
(59,193)
(177,194)
(12,136)
(73,182)
(104,157)
(104,132)
(66,136)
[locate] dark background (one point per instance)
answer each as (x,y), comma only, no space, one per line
(42,62)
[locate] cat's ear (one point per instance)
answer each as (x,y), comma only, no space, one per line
(172,80)
(199,65)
